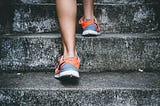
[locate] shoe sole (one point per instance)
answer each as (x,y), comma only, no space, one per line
(68,74)
(90,32)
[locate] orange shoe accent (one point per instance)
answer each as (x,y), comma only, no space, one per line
(84,23)
(74,61)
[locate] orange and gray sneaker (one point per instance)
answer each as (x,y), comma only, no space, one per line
(68,67)
(89,26)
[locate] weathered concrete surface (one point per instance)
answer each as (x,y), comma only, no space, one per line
(6,16)
(35,19)
(93,89)
(113,18)
(96,1)
(28,53)
(108,52)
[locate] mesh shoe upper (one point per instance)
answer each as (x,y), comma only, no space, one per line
(91,24)
(66,63)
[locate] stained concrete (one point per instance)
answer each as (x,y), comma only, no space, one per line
(93,89)
(96,1)
(6,16)
(114,16)
(108,52)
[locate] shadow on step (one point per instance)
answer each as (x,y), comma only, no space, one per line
(67,81)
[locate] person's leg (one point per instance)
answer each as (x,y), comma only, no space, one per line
(66,11)
(88,7)
(68,63)
(88,21)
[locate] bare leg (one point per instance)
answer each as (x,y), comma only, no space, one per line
(88,7)
(66,10)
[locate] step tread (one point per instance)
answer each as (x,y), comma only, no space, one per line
(57,35)
(88,81)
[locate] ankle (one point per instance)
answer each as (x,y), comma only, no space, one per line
(89,17)
(70,55)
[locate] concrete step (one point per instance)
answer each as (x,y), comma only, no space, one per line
(121,16)
(108,52)
(93,89)
(96,1)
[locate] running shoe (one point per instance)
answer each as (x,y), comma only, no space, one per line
(89,26)
(68,67)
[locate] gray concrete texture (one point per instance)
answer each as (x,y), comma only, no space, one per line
(93,89)
(96,1)
(121,16)
(111,52)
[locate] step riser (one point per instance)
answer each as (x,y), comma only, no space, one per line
(111,53)
(113,18)
(80,97)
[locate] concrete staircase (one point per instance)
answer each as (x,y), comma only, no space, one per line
(119,68)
